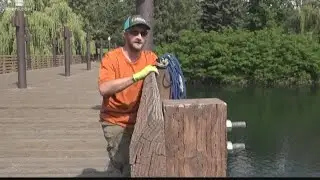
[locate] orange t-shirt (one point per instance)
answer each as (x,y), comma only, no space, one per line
(122,107)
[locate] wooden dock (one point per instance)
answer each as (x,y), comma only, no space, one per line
(51,129)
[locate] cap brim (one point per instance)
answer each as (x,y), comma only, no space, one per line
(140,24)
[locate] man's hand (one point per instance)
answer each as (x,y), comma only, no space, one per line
(144,72)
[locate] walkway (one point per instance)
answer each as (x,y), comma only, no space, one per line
(51,129)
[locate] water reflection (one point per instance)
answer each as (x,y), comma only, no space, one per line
(282,134)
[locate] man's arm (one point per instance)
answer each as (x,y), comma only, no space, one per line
(109,85)
(112,87)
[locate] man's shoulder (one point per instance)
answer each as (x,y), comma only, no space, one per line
(111,55)
(114,52)
(150,53)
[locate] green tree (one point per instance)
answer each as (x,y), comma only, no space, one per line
(46,19)
(172,16)
(268,13)
(219,14)
(104,18)
(309,17)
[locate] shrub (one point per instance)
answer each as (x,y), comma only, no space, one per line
(267,57)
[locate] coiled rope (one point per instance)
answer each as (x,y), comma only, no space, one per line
(178,85)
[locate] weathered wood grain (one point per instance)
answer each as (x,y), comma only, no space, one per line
(164,83)
(52,129)
(195,135)
(147,148)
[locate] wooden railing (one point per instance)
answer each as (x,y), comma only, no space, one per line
(9,63)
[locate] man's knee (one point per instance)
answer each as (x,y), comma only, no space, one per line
(118,142)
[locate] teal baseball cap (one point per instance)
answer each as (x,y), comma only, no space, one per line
(135,20)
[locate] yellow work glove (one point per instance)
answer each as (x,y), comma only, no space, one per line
(144,72)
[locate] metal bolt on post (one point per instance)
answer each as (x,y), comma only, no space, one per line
(230,125)
(235,146)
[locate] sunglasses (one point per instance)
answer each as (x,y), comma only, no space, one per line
(136,33)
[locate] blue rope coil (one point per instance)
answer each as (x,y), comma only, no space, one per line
(178,82)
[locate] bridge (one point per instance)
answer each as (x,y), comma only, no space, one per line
(51,128)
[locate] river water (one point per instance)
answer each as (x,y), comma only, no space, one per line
(282,137)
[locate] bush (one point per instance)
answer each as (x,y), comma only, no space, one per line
(238,57)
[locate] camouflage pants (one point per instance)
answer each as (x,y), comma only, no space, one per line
(118,142)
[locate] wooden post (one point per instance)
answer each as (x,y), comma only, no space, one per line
(54,52)
(101,49)
(178,138)
(88,52)
(145,8)
(67,52)
(28,40)
(96,56)
(195,133)
(19,23)
(70,50)
(147,147)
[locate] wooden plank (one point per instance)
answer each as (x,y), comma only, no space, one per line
(49,133)
(52,166)
(148,134)
(195,137)
(45,136)
(51,163)
(59,153)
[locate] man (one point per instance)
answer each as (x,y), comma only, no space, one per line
(121,75)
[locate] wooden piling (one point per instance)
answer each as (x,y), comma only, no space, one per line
(147,148)
(28,40)
(19,23)
(67,50)
(101,49)
(178,138)
(54,52)
(195,134)
(88,51)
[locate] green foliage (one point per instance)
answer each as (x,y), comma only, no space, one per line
(268,13)
(221,14)
(7,33)
(310,18)
(104,18)
(46,19)
(172,16)
(239,57)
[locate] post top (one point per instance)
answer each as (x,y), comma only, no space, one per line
(202,101)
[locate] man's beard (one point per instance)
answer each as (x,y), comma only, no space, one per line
(134,48)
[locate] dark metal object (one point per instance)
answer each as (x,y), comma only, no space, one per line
(230,125)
